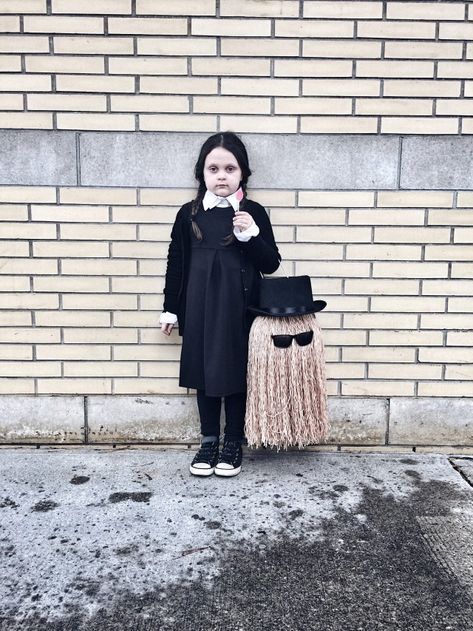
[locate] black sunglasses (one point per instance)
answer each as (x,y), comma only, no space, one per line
(284,341)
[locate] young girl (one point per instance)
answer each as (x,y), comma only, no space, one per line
(221,242)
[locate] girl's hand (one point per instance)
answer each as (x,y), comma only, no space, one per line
(166,328)
(242,220)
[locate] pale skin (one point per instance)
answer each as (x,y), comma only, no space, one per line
(222,176)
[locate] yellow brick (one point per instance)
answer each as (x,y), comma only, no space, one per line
(23,6)
(338,125)
(25,83)
(98,231)
(257,9)
(452,30)
(31,335)
(459,338)
(173,196)
(133,214)
(64,64)
(16,386)
(138,250)
(179,7)
(166,352)
(345,371)
(231,105)
(448,253)
(382,287)
(23,44)
(30,369)
(406,338)
(28,266)
(347,303)
(284,234)
(11,101)
(56,248)
(423,50)
(74,351)
(345,338)
(99,335)
(98,6)
(15,318)
(459,372)
(400,217)
(333,234)
(343,9)
(459,305)
(381,68)
(336,198)
(410,270)
(152,267)
(262,124)
(313,68)
(448,355)
(14,283)
(168,122)
(409,304)
(148,65)
(62,24)
(378,388)
(422,88)
(30,301)
(385,252)
(455,69)
(99,301)
(73,318)
(144,103)
(448,288)
(415,199)
(109,122)
(465,198)
(389,354)
(94,267)
(179,85)
(134,285)
(28,231)
(160,369)
(405,107)
(314,28)
(411,235)
(15,351)
(462,270)
(463,235)
(340,87)
(154,233)
(10,24)
(84,195)
(74,386)
(223,66)
(148,386)
(73,214)
(327,269)
(100,369)
(263,87)
(396,30)
(13,212)
(135,319)
(26,120)
(100,84)
(177,46)
(307,216)
(147,26)
(404,371)
(341,48)
(10,63)
(64,102)
(467,126)
(425,11)
(273,197)
(260,47)
(27,194)
(94,45)
(70,284)
(308,252)
(230,28)
(456,107)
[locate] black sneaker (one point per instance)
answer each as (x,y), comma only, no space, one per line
(229,461)
(205,459)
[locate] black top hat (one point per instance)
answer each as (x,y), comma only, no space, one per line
(286,296)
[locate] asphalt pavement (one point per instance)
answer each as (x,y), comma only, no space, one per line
(94,538)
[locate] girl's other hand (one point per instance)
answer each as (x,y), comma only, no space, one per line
(166,328)
(242,220)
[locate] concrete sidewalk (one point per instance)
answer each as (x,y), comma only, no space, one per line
(100,539)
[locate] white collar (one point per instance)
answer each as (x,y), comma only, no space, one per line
(211,200)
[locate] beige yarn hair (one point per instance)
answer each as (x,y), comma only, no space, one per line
(287,396)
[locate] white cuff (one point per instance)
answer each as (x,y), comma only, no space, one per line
(168,318)
(245,235)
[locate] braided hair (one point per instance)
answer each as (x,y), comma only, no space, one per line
(232,143)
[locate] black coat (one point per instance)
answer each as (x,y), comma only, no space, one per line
(261,251)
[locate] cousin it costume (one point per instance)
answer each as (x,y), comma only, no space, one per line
(209,286)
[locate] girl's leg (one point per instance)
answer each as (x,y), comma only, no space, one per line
(235,407)
(209,411)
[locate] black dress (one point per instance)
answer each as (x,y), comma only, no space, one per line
(215,342)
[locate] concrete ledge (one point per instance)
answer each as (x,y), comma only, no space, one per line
(27,419)
(358,421)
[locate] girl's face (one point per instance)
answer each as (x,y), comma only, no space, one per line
(222,174)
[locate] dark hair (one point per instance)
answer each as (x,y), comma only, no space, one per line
(232,143)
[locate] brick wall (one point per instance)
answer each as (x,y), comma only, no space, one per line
(358,118)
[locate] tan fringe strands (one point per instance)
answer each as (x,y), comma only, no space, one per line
(287,396)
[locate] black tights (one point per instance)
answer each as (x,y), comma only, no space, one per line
(209,410)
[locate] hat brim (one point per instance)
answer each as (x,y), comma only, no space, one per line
(317,305)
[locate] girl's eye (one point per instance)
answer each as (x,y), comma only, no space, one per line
(230,169)
(212,169)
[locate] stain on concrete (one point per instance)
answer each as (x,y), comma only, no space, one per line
(213,525)
(8,503)
(79,479)
(44,506)
(124,496)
